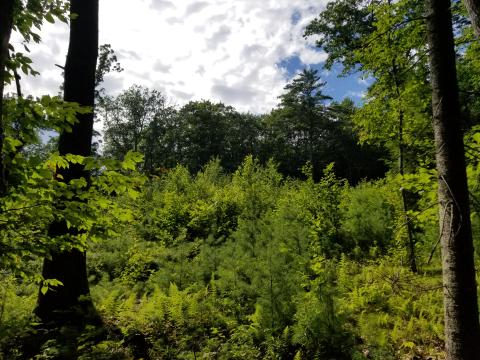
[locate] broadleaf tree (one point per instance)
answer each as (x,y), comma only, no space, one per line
(462,329)
(68,266)
(6,24)
(383,41)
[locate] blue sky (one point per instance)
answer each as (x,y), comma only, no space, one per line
(338,87)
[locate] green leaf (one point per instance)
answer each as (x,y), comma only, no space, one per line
(49,18)
(131,160)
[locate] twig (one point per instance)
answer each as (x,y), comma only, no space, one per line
(23,208)
(439,236)
(414,217)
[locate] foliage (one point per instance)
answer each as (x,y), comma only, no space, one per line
(369,218)
(303,128)
(255,265)
(38,199)
(384,41)
(394,312)
(252,236)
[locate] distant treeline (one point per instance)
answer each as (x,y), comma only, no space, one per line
(305,127)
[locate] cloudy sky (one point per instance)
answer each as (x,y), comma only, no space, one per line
(240,52)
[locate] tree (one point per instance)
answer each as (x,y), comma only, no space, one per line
(344,24)
(6,24)
(305,129)
(161,138)
(26,17)
(462,330)
(384,40)
(140,119)
(297,131)
(353,161)
(473,8)
(107,62)
(204,128)
(304,106)
(20,121)
(241,139)
(69,266)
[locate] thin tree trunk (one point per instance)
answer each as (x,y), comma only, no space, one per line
(401,168)
(473,8)
(70,266)
(6,24)
(412,261)
(462,331)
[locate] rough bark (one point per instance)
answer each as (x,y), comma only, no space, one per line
(70,266)
(473,8)
(462,331)
(6,24)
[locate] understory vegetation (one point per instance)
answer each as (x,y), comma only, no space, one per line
(253,265)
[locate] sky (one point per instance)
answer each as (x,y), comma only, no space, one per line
(239,52)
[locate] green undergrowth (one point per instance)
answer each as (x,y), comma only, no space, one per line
(257,266)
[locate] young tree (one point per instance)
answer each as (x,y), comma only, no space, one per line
(462,330)
(69,266)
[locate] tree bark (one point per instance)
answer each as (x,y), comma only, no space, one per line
(70,266)
(6,24)
(462,331)
(473,8)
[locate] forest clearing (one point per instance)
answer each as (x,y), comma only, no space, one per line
(256,212)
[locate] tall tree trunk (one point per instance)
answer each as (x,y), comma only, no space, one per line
(6,24)
(462,331)
(410,245)
(473,8)
(70,266)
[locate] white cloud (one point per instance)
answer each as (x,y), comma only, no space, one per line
(220,36)
(221,50)
(161,4)
(312,56)
(365,81)
(161,67)
(195,7)
(356,94)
